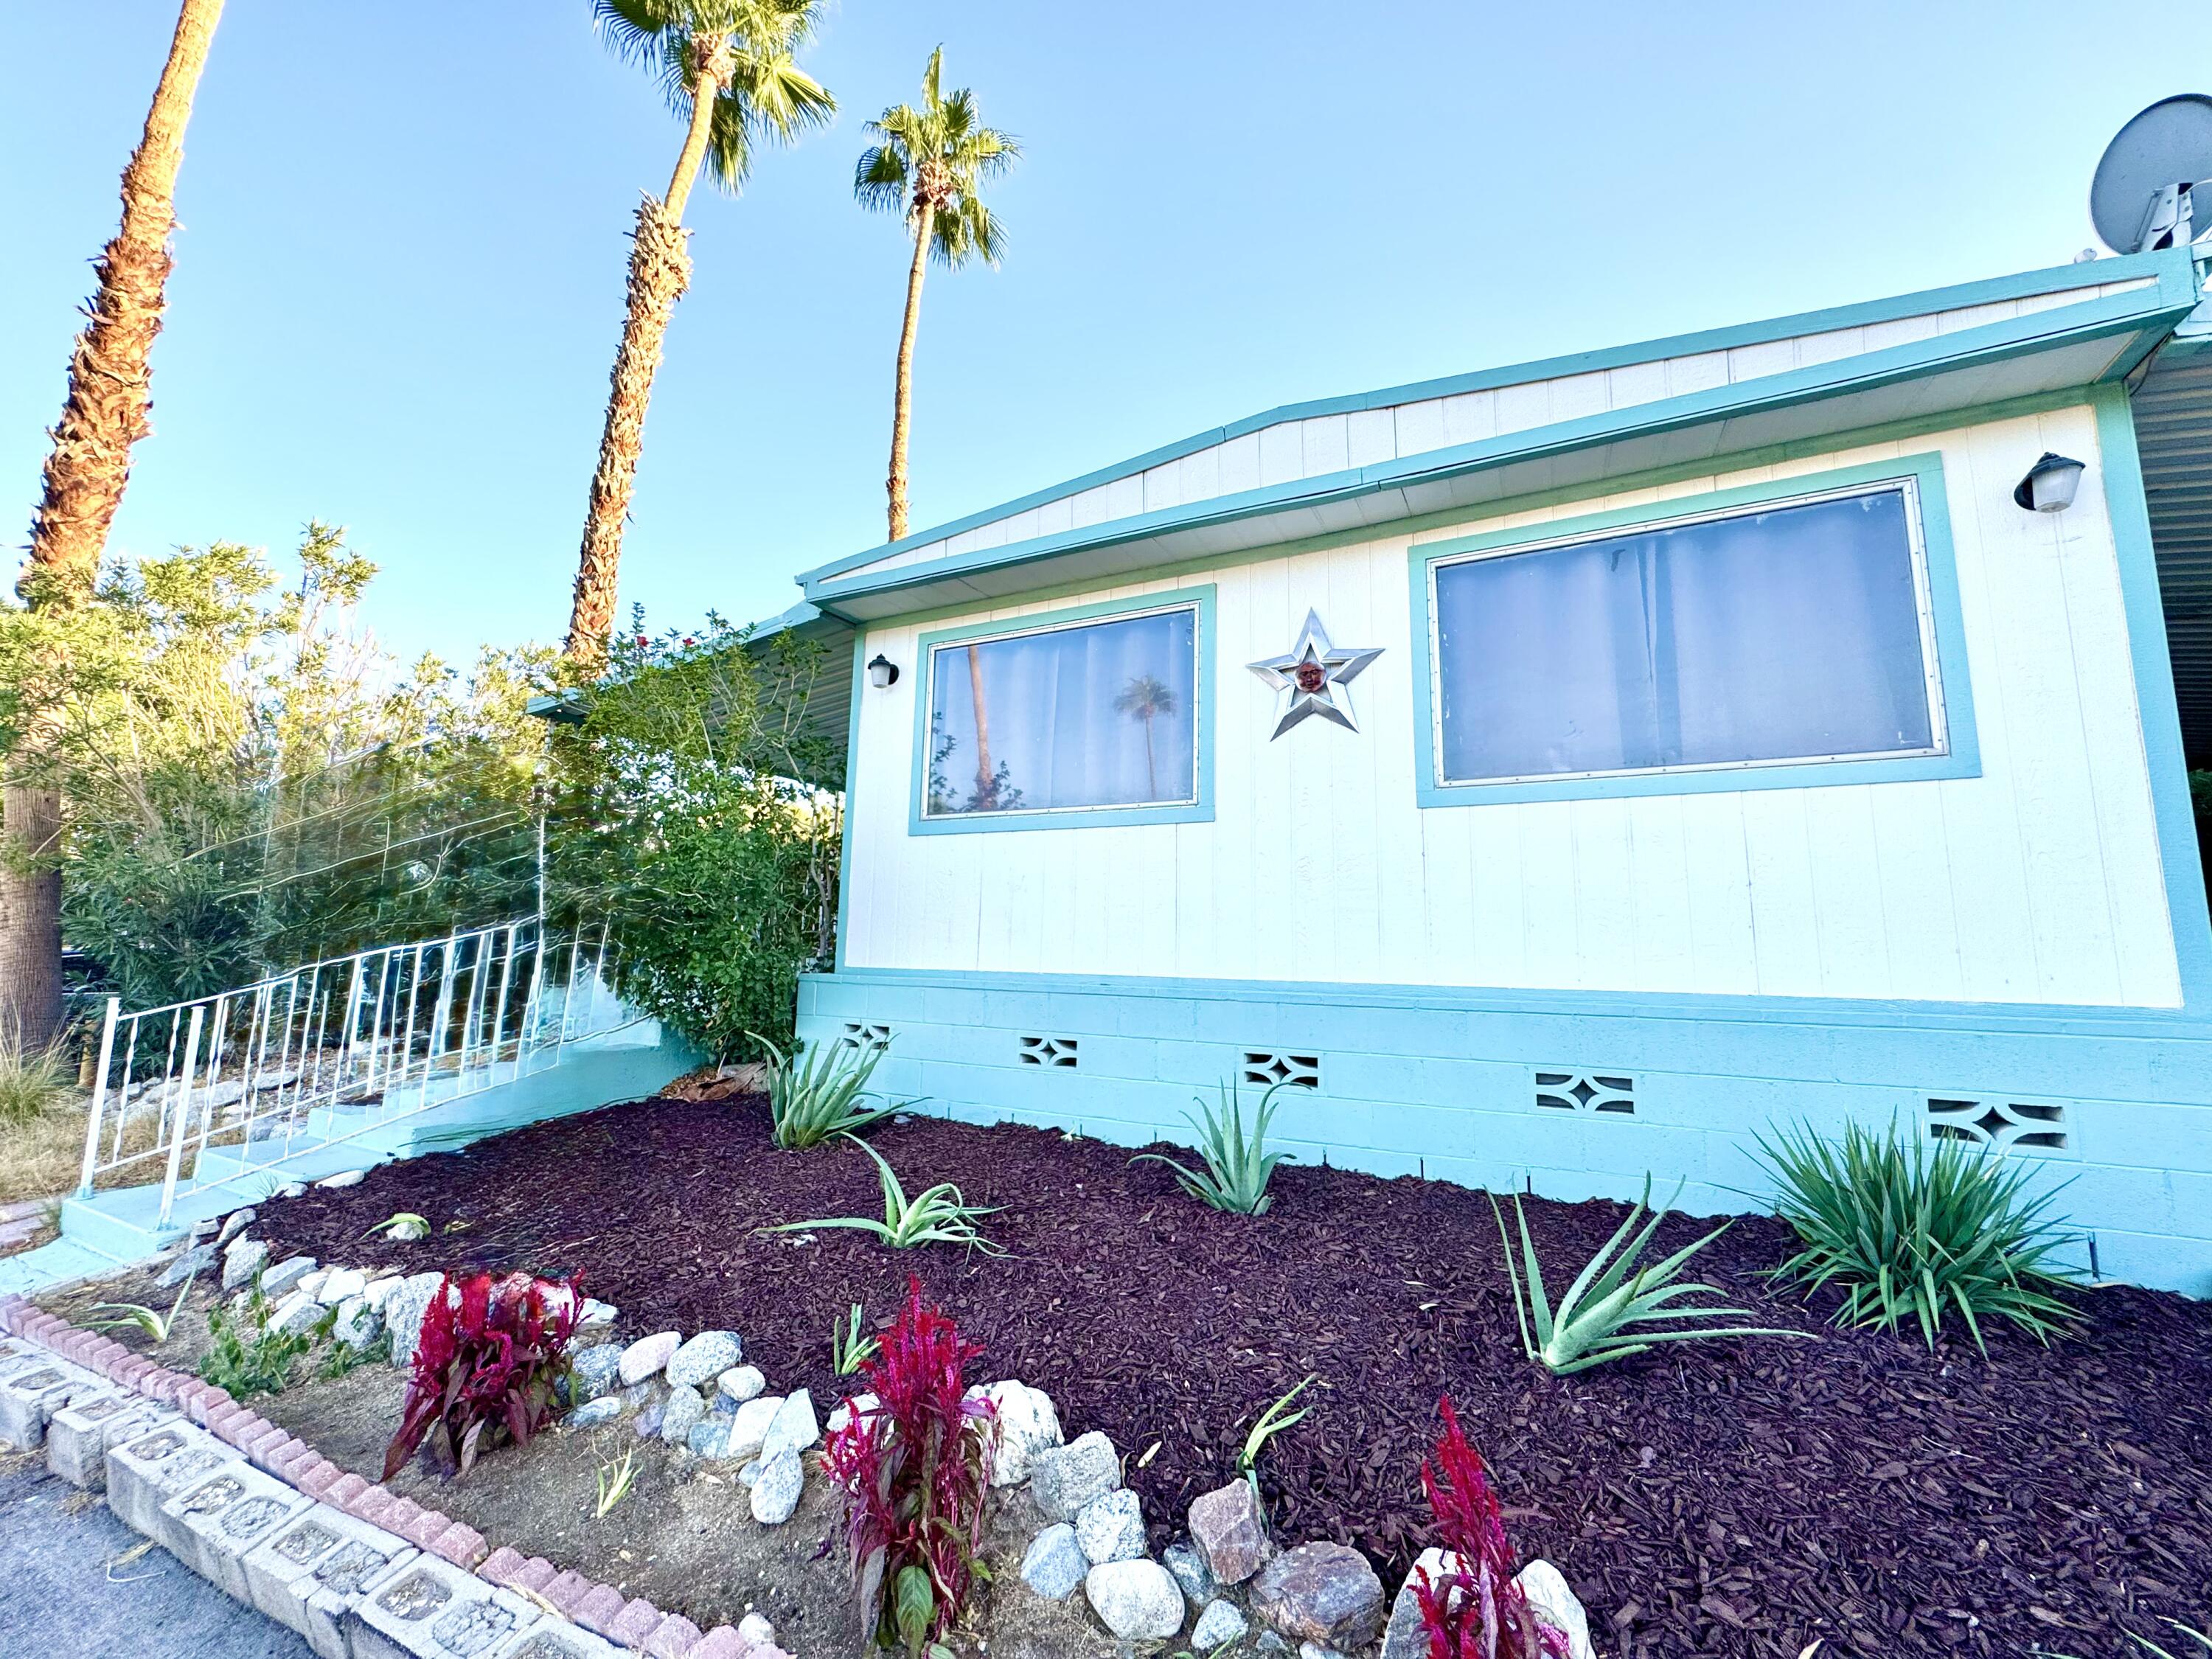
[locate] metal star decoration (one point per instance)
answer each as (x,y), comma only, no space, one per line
(1314,678)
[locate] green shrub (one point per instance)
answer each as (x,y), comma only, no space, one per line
(31,1085)
(1607,1312)
(248,1357)
(1237,1167)
(1919,1234)
(815,1095)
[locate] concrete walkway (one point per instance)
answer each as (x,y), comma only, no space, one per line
(57,1599)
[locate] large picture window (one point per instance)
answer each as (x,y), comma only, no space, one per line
(1796,632)
(1086,716)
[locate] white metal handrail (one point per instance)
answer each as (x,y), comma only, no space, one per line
(326,1052)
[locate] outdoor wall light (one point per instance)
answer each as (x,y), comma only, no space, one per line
(2049,484)
(883,671)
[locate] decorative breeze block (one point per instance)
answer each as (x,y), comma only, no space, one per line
(1586,1091)
(1057,1051)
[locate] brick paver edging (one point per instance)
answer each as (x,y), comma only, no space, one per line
(632,1624)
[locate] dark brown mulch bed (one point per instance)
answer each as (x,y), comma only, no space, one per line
(1737,1498)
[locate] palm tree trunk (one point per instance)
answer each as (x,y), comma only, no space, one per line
(983,768)
(107,411)
(902,406)
(1151,778)
(660,271)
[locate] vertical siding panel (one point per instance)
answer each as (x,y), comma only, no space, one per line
(1418,426)
(1546,857)
(1356,896)
(1605,895)
(1386,719)
(1240,463)
(1323,443)
(1847,893)
(1492,947)
(1308,757)
(1919,914)
(1370,436)
(1282,454)
(2074,947)
(1723,947)
(1270,936)
(1660,878)
(1783,915)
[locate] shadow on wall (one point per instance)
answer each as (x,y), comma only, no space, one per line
(2200,796)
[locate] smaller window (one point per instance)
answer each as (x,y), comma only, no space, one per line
(1082,717)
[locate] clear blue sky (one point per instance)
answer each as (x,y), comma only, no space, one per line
(400,268)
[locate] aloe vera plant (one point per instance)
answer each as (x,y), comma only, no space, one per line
(1609,1312)
(814,1094)
(1270,1423)
(1238,1166)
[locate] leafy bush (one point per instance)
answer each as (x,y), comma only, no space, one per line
(1472,1608)
(914,1470)
(815,1096)
(1592,1324)
(1237,1167)
(1919,1233)
(245,1355)
(937,1216)
(699,815)
(489,1361)
(240,766)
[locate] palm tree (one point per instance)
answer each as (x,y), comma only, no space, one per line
(1145,698)
(931,162)
(106,411)
(729,70)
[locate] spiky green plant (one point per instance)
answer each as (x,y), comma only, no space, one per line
(849,1349)
(814,1095)
(32,1083)
(137,1316)
(1607,1311)
(1270,1423)
(939,1216)
(615,1479)
(1238,1166)
(1916,1235)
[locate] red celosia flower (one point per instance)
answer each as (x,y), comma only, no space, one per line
(915,1468)
(1473,1609)
(489,1361)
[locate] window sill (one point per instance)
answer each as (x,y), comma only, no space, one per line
(1096,817)
(1718,780)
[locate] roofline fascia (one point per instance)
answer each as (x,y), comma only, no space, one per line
(2164,266)
(2155,308)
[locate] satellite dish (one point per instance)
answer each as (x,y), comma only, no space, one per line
(2140,199)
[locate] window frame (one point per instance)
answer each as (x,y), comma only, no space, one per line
(1198,600)
(1956,753)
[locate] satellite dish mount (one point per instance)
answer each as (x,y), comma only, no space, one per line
(2154,185)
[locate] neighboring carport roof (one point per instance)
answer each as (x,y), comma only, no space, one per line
(2174,431)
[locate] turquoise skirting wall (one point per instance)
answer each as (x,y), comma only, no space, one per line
(1575,1094)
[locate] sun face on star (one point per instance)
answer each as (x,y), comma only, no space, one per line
(1315,677)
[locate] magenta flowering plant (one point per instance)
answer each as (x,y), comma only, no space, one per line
(1472,1608)
(914,1469)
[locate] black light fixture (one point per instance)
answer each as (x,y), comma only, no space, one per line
(2049,484)
(882,672)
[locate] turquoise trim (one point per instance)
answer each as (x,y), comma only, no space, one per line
(1197,811)
(851,772)
(1961,759)
(2152,308)
(2056,279)
(2156,706)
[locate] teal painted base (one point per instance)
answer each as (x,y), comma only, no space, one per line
(1443,1083)
(116,1228)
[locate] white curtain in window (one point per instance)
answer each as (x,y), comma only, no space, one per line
(1096,714)
(1791,633)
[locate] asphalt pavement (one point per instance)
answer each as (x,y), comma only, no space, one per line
(67,1593)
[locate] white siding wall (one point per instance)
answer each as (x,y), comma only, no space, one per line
(1332,443)
(2038,881)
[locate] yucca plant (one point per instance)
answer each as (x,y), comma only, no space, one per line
(814,1095)
(1237,1166)
(939,1216)
(1607,1312)
(1917,1235)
